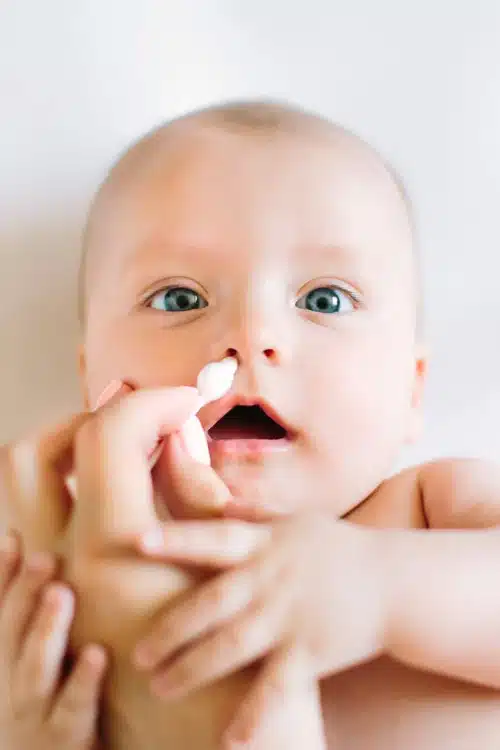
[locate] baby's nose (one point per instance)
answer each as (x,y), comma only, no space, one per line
(259,337)
(268,353)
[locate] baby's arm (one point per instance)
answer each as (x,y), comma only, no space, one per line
(444,584)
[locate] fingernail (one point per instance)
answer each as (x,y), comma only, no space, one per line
(153,541)
(108,393)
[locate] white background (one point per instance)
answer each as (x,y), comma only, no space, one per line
(420,80)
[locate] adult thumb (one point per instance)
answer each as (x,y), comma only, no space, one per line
(191,489)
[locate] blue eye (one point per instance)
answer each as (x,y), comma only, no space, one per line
(327,300)
(177,299)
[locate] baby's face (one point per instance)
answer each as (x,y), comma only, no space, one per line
(294,256)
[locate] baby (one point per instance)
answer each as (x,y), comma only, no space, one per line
(263,234)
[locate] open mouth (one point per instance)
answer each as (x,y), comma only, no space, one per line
(247,423)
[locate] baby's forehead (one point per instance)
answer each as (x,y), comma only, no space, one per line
(316,167)
(344,171)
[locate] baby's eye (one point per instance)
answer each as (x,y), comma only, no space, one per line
(328,299)
(177,299)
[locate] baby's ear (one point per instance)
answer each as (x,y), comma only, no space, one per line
(82,375)
(415,425)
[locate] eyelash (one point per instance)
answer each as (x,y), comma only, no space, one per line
(164,290)
(356,302)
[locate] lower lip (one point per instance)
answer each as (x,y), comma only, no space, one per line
(248,447)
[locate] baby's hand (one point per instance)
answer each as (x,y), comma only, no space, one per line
(307,584)
(36,710)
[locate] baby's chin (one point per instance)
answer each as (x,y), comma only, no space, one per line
(263,488)
(264,491)
(256,494)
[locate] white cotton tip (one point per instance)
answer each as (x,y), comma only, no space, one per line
(216,379)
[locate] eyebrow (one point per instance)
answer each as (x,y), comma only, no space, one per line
(340,251)
(344,256)
(153,253)
(153,250)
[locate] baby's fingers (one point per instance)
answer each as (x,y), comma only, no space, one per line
(75,713)
(216,543)
(282,709)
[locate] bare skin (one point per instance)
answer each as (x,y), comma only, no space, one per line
(253,227)
(386,704)
(117,607)
(217,219)
(117,593)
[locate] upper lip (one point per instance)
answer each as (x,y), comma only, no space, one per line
(213,412)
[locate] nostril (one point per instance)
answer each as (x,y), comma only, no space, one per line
(268,353)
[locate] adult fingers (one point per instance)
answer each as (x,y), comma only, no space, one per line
(75,712)
(35,500)
(19,603)
(112,460)
(192,489)
(41,657)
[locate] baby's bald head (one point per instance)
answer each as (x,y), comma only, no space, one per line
(258,121)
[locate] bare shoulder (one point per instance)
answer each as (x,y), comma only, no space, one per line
(460,493)
(396,503)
